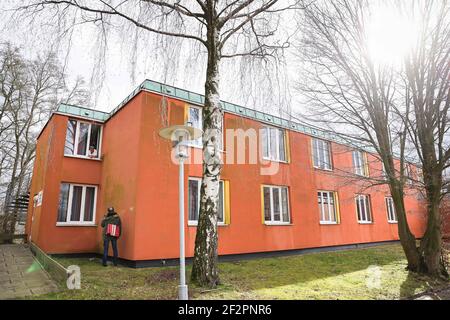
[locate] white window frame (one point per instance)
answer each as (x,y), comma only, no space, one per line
(408,173)
(383,171)
(367,205)
(77,134)
(277,157)
(195,222)
(390,208)
(420,174)
(315,146)
(359,163)
(272,221)
(321,207)
(191,143)
(68,221)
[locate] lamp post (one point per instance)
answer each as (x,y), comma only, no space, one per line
(179,135)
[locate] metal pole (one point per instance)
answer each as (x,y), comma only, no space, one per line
(182,288)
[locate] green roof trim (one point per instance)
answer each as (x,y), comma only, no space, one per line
(198,99)
(195,98)
(83,112)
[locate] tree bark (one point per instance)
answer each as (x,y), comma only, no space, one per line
(205,268)
(396,186)
(431,244)
(407,239)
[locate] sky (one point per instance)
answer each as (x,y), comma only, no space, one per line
(118,78)
(81,59)
(115,77)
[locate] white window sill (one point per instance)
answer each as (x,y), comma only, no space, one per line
(365,222)
(362,175)
(82,157)
(328,223)
(324,169)
(268,223)
(274,160)
(392,222)
(75,224)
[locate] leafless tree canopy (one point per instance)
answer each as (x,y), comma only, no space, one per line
(243,22)
(29,91)
(172,37)
(396,111)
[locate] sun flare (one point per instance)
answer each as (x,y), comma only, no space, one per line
(390,35)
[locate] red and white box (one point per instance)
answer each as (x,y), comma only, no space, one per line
(113,230)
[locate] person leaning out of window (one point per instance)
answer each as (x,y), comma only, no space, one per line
(112,229)
(92,152)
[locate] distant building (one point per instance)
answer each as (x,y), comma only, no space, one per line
(307,202)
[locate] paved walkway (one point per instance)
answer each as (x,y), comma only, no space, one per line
(20,274)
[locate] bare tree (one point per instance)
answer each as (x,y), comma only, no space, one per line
(12,85)
(361,100)
(226,29)
(31,90)
(427,74)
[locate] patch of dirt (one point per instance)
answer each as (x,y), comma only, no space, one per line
(162,276)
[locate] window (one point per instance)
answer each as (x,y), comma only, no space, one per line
(327,207)
(383,171)
(273,144)
(392,217)
(420,175)
(76,204)
(194,201)
(408,173)
(360,163)
(276,205)
(80,137)
(321,154)
(363,208)
(195,117)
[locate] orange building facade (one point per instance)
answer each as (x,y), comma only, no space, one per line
(316,197)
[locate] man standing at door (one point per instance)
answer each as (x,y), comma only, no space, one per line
(112,227)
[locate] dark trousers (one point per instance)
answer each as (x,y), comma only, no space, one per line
(105,249)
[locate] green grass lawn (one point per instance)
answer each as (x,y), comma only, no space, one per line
(348,274)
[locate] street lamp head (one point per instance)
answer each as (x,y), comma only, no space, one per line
(179,135)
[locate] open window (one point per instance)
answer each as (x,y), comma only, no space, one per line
(83,139)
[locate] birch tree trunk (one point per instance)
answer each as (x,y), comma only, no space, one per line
(204,270)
